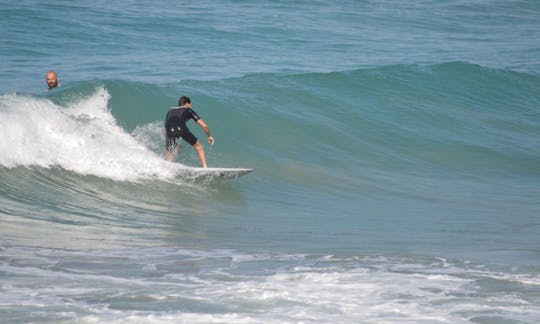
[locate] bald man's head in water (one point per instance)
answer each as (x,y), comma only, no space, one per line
(52,80)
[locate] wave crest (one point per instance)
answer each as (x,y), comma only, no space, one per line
(81,136)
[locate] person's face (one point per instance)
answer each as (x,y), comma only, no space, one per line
(52,80)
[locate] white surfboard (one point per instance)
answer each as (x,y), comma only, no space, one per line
(211,174)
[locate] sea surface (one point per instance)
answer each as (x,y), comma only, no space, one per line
(396,147)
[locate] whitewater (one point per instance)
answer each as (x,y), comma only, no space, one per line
(395,146)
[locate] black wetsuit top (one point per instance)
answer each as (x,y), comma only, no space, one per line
(175,124)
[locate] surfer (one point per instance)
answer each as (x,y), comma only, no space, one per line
(52,80)
(175,127)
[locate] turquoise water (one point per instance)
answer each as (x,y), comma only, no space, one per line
(395,146)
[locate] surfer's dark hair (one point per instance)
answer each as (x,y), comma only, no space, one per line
(183,101)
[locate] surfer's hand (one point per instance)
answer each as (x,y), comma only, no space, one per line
(211,140)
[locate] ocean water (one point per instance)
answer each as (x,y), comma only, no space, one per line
(396,147)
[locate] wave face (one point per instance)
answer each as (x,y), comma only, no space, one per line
(452,118)
(416,183)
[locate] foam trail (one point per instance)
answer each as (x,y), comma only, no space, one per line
(82,137)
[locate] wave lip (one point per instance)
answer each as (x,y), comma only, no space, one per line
(82,137)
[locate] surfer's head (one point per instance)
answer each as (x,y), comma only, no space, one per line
(183,101)
(52,79)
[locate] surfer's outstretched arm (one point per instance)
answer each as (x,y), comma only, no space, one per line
(206,130)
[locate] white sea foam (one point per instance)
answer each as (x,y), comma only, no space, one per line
(82,137)
(242,288)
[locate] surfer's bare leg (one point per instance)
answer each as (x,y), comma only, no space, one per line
(170,156)
(200,150)
(171,153)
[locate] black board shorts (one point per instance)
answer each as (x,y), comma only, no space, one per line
(170,141)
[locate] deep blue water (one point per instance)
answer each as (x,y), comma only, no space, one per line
(395,146)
